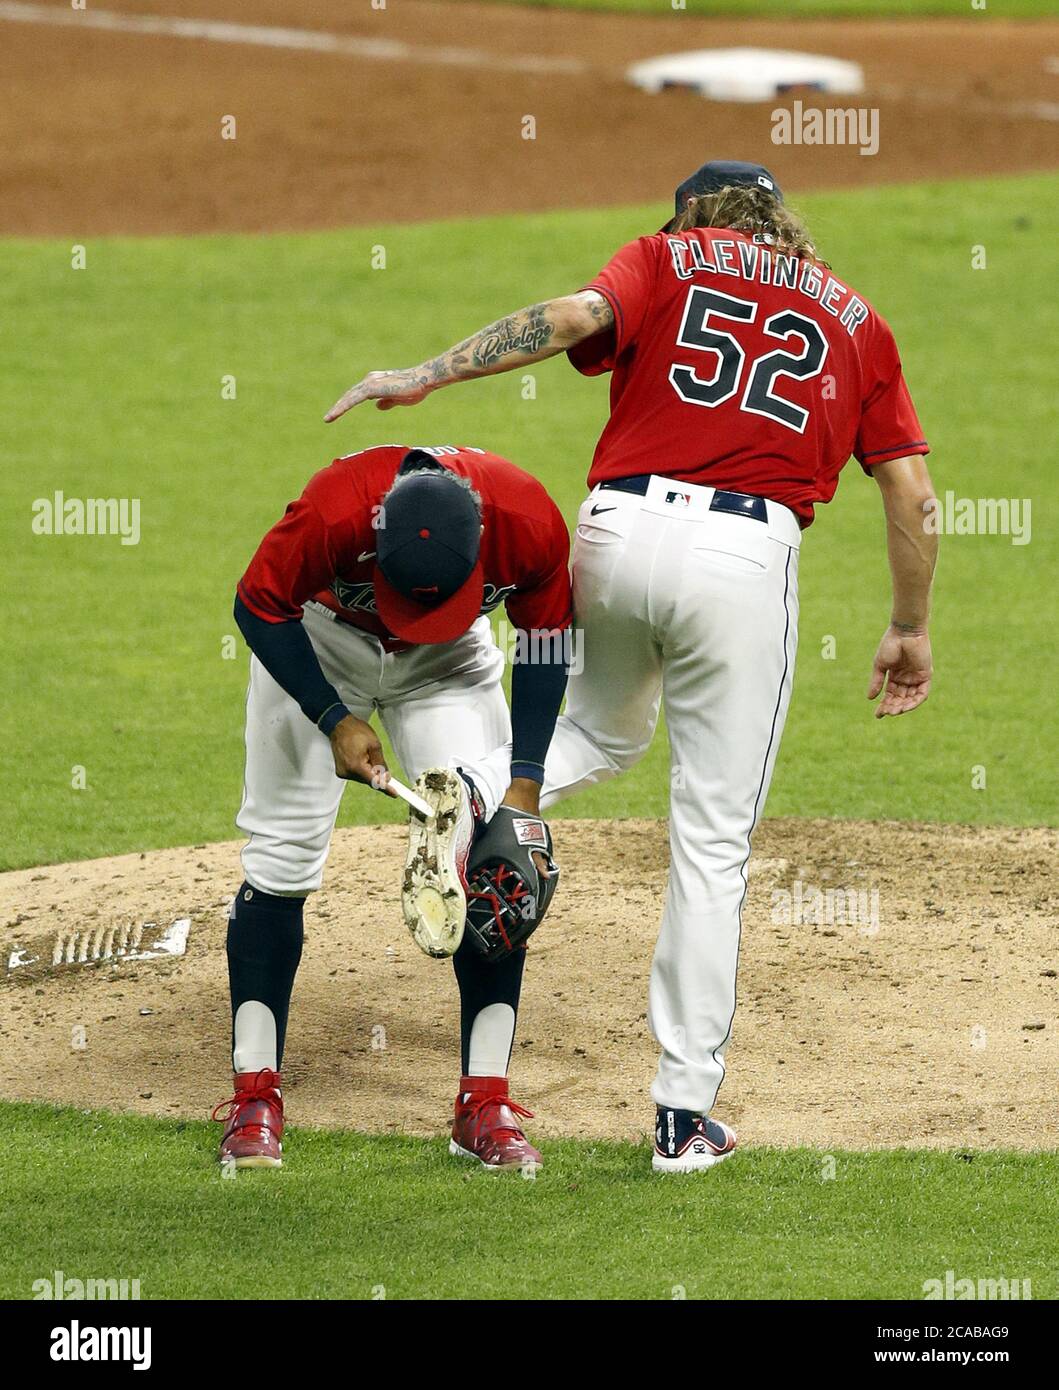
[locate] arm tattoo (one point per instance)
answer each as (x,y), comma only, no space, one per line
(530,335)
(524,333)
(602,313)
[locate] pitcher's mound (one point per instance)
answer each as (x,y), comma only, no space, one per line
(898,987)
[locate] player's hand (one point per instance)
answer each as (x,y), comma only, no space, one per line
(903,664)
(358,754)
(525,795)
(408,386)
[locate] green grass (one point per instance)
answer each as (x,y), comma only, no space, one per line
(352,1216)
(110,385)
(810,9)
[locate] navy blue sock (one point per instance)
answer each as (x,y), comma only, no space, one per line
(484,982)
(265,937)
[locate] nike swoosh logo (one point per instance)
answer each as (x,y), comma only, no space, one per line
(596,510)
(365,555)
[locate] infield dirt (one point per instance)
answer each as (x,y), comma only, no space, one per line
(110,132)
(932,1019)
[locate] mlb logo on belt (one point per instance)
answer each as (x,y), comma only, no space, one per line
(678,499)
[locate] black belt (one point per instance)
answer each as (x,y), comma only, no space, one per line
(738,503)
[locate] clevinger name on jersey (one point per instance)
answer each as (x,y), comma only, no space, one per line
(755,260)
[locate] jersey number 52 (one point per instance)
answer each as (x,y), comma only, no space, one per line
(758,397)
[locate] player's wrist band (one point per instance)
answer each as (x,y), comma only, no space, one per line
(532,772)
(334,714)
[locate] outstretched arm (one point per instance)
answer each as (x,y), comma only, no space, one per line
(529,335)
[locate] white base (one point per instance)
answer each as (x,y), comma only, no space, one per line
(747,74)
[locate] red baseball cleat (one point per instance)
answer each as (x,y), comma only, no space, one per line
(486,1127)
(253,1121)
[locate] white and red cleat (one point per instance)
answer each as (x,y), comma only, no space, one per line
(434,888)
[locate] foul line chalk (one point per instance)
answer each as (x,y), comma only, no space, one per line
(303,40)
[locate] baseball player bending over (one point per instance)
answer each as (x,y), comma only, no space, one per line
(745,373)
(371,594)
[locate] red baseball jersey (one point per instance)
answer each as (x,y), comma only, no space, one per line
(742,368)
(323,547)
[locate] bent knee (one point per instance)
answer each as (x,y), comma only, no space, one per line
(282,867)
(624,755)
(619,750)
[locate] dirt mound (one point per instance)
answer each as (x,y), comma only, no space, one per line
(898,987)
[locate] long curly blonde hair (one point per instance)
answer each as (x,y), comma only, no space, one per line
(745,208)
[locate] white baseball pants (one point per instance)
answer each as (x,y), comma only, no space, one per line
(700,607)
(439,704)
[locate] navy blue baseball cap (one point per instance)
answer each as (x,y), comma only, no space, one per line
(723,173)
(428,574)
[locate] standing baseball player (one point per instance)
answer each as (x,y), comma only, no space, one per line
(369,595)
(745,373)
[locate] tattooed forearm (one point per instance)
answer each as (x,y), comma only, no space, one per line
(532,334)
(525,336)
(524,333)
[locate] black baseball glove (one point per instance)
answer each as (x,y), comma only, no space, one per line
(507,894)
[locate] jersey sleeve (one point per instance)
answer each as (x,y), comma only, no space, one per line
(297,558)
(889,426)
(543,602)
(626,283)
